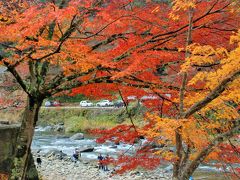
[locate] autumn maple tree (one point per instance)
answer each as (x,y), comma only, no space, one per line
(130,47)
(53,47)
(200,119)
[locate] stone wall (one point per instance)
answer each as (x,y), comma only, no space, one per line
(8,136)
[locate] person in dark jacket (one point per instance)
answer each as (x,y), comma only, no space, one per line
(106,159)
(100,163)
(75,155)
(39,161)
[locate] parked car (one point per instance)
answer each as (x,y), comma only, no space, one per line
(86,103)
(56,103)
(119,103)
(104,103)
(48,104)
(52,103)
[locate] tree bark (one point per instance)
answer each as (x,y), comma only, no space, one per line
(24,140)
(32,173)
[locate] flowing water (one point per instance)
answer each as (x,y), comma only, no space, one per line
(44,142)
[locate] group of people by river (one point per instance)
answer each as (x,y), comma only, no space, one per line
(102,161)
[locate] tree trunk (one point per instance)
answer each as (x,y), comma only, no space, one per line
(32,173)
(180,163)
(23,150)
(181,175)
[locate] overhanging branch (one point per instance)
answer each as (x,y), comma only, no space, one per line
(216,141)
(16,75)
(212,95)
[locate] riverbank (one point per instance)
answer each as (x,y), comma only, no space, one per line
(79,119)
(54,169)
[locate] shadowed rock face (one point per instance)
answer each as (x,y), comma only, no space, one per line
(8,137)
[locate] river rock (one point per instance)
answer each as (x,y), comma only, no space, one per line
(48,128)
(86,149)
(62,170)
(60,136)
(50,152)
(77,136)
(4,122)
(134,173)
(59,127)
(55,153)
(117,143)
(168,168)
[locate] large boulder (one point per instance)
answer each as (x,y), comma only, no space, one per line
(55,153)
(51,152)
(77,136)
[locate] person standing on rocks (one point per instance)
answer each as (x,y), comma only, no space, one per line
(106,162)
(60,157)
(39,161)
(100,163)
(75,155)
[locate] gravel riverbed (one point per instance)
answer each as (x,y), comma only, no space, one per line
(54,169)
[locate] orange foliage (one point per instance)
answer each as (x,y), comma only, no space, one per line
(101,48)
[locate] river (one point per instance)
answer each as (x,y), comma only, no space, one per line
(44,142)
